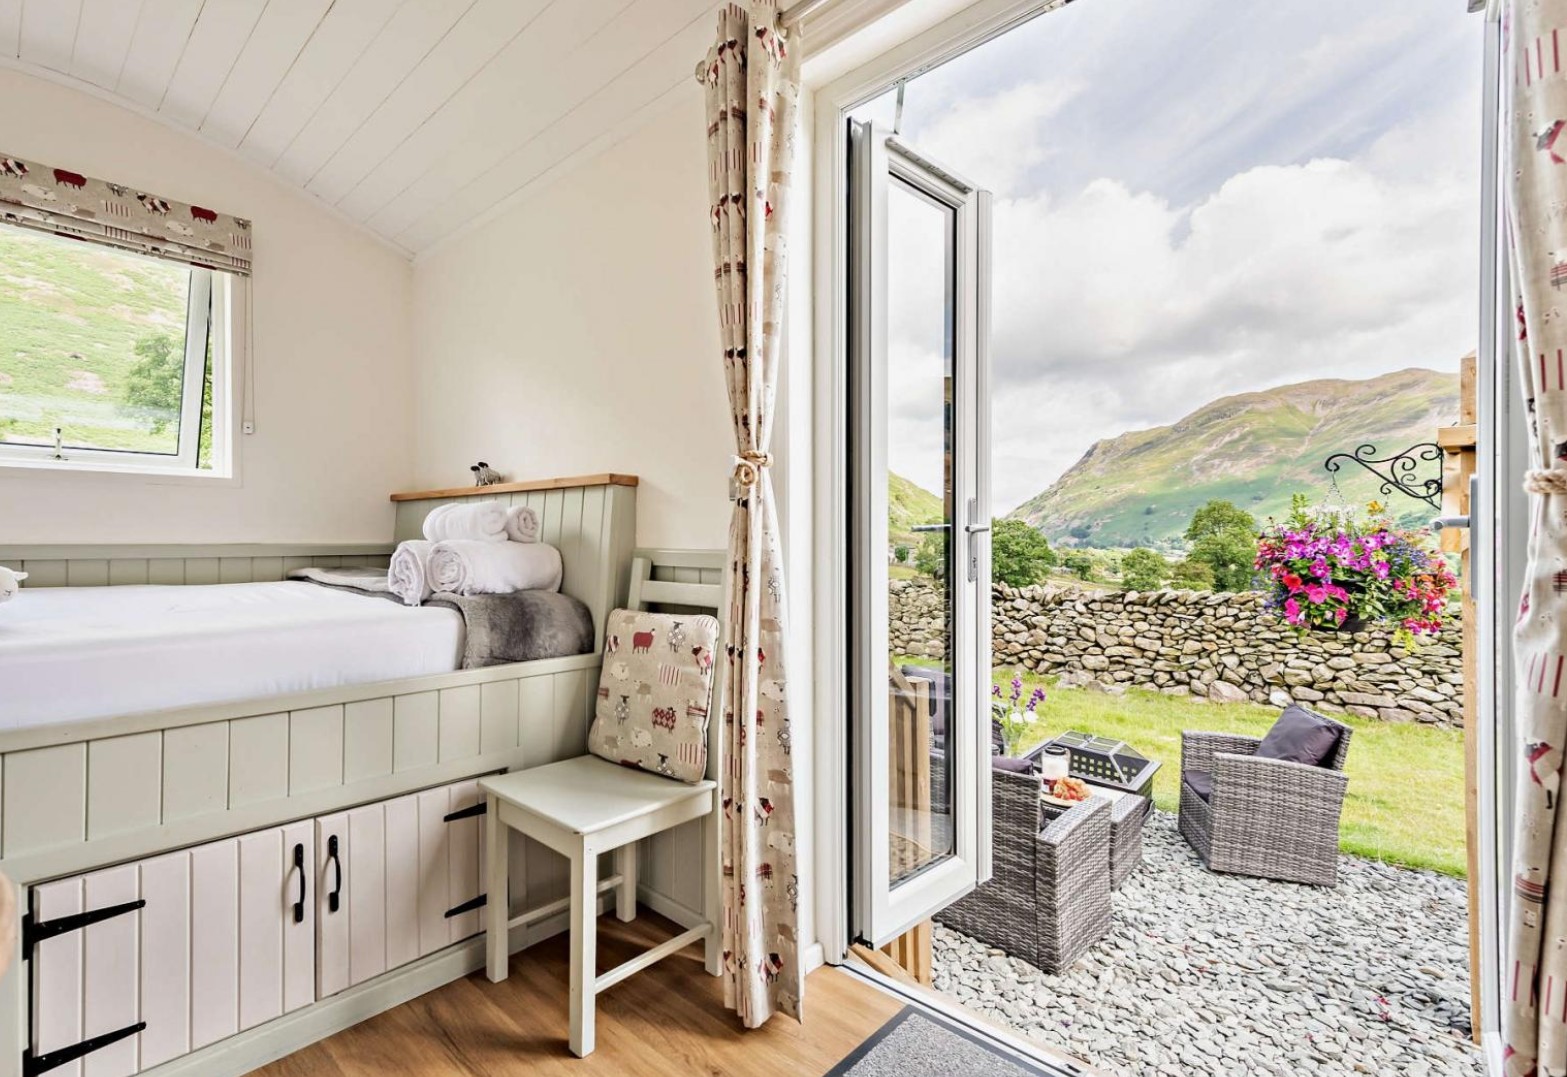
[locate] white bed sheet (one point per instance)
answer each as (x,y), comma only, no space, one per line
(73,653)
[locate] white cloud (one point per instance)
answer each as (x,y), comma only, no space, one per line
(998,139)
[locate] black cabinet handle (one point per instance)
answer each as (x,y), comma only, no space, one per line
(299,866)
(334,899)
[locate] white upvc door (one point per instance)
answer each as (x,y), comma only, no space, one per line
(920,729)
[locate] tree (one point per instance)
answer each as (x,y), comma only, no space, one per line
(1144,570)
(1191,576)
(1019,555)
(931,557)
(1080,564)
(157,380)
(157,383)
(1224,538)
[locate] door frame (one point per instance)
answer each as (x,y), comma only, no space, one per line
(1500,504)
(829,238)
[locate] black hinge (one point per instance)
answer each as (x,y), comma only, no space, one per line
(35,1064)
(35,931)
(468,906)
(468,812)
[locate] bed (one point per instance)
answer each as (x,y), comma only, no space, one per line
(74,653)
(278,773)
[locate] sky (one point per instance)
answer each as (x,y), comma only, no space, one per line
(1194,199)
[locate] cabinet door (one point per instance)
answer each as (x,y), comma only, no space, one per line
(408,876)
(158,958)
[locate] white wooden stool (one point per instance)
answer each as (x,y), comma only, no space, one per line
(581,808)
(584,807)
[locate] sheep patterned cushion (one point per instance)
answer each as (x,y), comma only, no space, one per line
(654,693)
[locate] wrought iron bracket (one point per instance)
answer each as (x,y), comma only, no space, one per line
(1398,473)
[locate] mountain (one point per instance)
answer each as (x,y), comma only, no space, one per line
(907,505)
(1254,449)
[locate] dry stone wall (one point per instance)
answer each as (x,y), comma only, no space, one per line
(1223,647)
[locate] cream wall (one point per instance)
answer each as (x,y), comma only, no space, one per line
(577,333)
(332,356)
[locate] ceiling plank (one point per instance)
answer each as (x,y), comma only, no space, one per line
(521,73)
(555,87)
(348,29)
(156,47)
(48,34)
(103,38)
(274,45)
(611,111)
(220,35)
(487,29)
(10,27)
(412,33)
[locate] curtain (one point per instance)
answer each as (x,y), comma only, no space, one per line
(66,203)
(1534,1017)
(752,87)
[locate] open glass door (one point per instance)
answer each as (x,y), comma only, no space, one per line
(917,355)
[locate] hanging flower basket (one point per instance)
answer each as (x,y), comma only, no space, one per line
(1333,570)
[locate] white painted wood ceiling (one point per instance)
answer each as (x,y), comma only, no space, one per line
(412,117)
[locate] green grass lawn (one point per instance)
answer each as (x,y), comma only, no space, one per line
(1405,801)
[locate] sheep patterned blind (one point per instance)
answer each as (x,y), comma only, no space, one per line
(67,203)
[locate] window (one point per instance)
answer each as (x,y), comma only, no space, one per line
(110,360)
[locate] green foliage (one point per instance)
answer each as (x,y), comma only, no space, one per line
(1081,564)
(1144,570)
(1224,538)
(1191,576)
(1019,555)
(154,384)
(900,554)
(931,557)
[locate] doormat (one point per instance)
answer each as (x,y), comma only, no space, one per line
(917,1043)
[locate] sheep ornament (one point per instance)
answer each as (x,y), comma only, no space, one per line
(10,583)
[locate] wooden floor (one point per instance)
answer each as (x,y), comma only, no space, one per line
(667,1020)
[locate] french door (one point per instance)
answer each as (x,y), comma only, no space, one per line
(919,709)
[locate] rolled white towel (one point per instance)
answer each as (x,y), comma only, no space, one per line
(494,568)
(408,575)
(522,524)
(10,583)
(484,522)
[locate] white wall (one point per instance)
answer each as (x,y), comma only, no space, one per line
(577,333)
(332,352)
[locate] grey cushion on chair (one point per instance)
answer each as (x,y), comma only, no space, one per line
(1299,736)
(1201,782)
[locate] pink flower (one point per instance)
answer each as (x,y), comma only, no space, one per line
(1292,611)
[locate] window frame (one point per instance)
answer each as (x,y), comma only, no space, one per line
(214,306)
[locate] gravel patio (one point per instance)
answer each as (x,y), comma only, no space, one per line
(1214,974)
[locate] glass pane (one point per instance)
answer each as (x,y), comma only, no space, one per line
(92,341)
(919,500)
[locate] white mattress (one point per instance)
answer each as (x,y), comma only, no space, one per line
(72,653)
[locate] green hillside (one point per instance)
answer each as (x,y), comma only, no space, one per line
(70,316)
(908,505)
(1255,449)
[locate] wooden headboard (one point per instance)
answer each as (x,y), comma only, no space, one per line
(591,518)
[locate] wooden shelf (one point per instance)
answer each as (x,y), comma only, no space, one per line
(573,481)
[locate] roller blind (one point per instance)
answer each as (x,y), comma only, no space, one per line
(66,203)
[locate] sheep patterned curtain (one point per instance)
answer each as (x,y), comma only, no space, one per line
(45,198)
(752,87)
(1534,1002)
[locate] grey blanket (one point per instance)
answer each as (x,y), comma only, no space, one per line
(520,627)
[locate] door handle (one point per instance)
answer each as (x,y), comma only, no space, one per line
(1450,521)
(975,529)
(334,899)
(299,866)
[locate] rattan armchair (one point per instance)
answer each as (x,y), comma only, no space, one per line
(1048,898)
(1263,817)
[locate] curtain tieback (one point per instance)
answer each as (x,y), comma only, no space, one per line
(1545,481)
(748,467)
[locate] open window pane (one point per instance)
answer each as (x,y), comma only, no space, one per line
(93,343)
